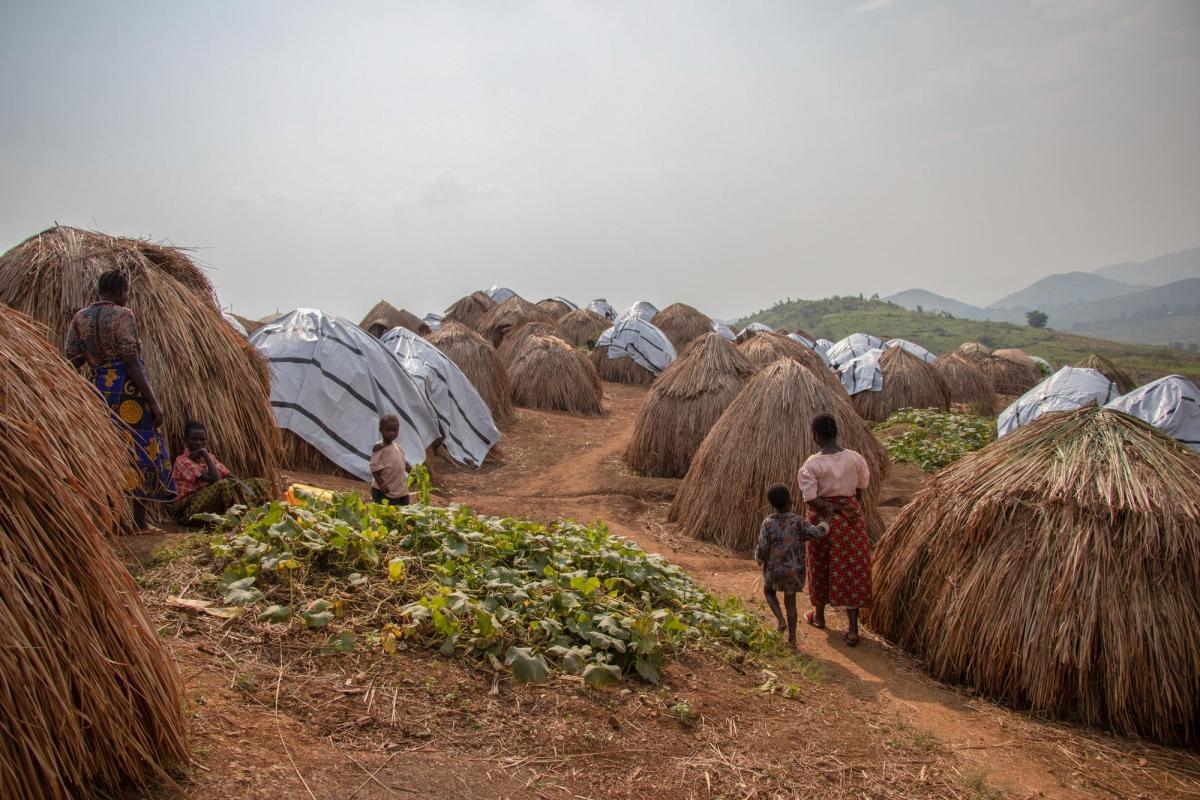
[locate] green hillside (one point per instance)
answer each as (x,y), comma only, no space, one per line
(836,317)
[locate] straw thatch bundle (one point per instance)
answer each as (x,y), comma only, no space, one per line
(583,326)
(682,323)
(1058,569)
(384,316)
(471,353)
(517,336)
(908,382)
(495,324)
(1108,369)
(763,438)
(469,309)
(619,370)
(555,309)
(1007,376)
(549,374)
(967,384)
(766,348)
(91,697)
(199,366)
(685,402)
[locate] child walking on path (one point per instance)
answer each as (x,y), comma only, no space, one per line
(389,466)
(781,543)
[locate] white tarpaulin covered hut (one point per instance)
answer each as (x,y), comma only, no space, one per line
(500,294)
(753,329)
(433,320)
(725,331)
(913,348)
(637,339)
(862,373)
(603,308)
(853,346)
(1171,404)
(823,346)
(465,422)
(331,381)
(641,310)
(802,339)
(1066,390)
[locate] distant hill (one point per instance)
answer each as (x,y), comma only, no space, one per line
(1064,288)
(923,300)
(1160,302)
(1157,271)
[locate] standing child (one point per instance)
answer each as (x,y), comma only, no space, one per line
(781,543)
(389,467)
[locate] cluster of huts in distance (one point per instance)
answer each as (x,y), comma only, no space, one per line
(1057,569)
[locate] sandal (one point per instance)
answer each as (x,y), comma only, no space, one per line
(851,639)
(810,617)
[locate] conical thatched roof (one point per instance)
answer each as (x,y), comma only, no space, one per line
(1109,370)
(619,370)
(973,349)
(682,323)
(763,438)
(1007,376)
(1018,355)
(685,402)
(1058,569)
(766,348)
(967,384)
(555,308)
(384,316)
(517,336)
(471,353)
(549,374)
(583,326)
(251,325)
(908,382)
(495,324)
(469,309)
(91,697)
(200,368)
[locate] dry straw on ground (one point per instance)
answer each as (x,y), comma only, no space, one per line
(619,370)
(91,698)
(583,326)
(200,367)
(467,310)
(384,316)
(516,337)
(763,437)
(908,382)
(967,384)
(762,349)
(683,405)
(1058,569)
(495,324)
(556,309)
(681,323)
(471,353)
(549,374)
(1109,370)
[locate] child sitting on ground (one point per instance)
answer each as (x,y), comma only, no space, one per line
(206,486)
(781,552)
(389,467)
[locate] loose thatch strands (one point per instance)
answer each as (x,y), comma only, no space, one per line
(469,309)
(495,324)
(619,370)
(479,362)
(1108,369)
(91,702)
(517,336)
(967,384)
(762,438)
(762,349)
(908,382)
(681,323)
(549,374)
(199,366)
(1058,569)
(583,326)
(384,316)
(683,405)
(556,309)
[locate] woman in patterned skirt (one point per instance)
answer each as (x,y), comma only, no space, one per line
(839,565)
(104,337)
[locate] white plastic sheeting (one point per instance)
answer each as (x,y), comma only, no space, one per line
(468,431)
(862,373)
(1066,390)
(234,323)
(1043,365)
(602,307)
(331,381)
(433,320)
(804,340)
(823,346)
(638,339)
(641,310)
(725,331)
(853,346)
(912,348)
(499,294)
(1171,404)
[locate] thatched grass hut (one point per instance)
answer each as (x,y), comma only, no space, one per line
(1058,570)
(767,348)
(1018,355)
(973,349)
(93,702)
(517,336)
(967,384)
(549,374)
(471,353)
(495,324)
(619,370)
(199,366)
(251,325)
(467,310)
(1108,369)
(682,323)
(583,326)
(384,316)
(683,405)
(1007,376)
(555,308)
(908,382)
(762,438)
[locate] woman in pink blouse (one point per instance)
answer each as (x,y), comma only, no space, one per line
(839,565)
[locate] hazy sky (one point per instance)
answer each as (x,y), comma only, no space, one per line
(721,154)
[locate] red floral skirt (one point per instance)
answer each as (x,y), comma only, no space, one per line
(839,565)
